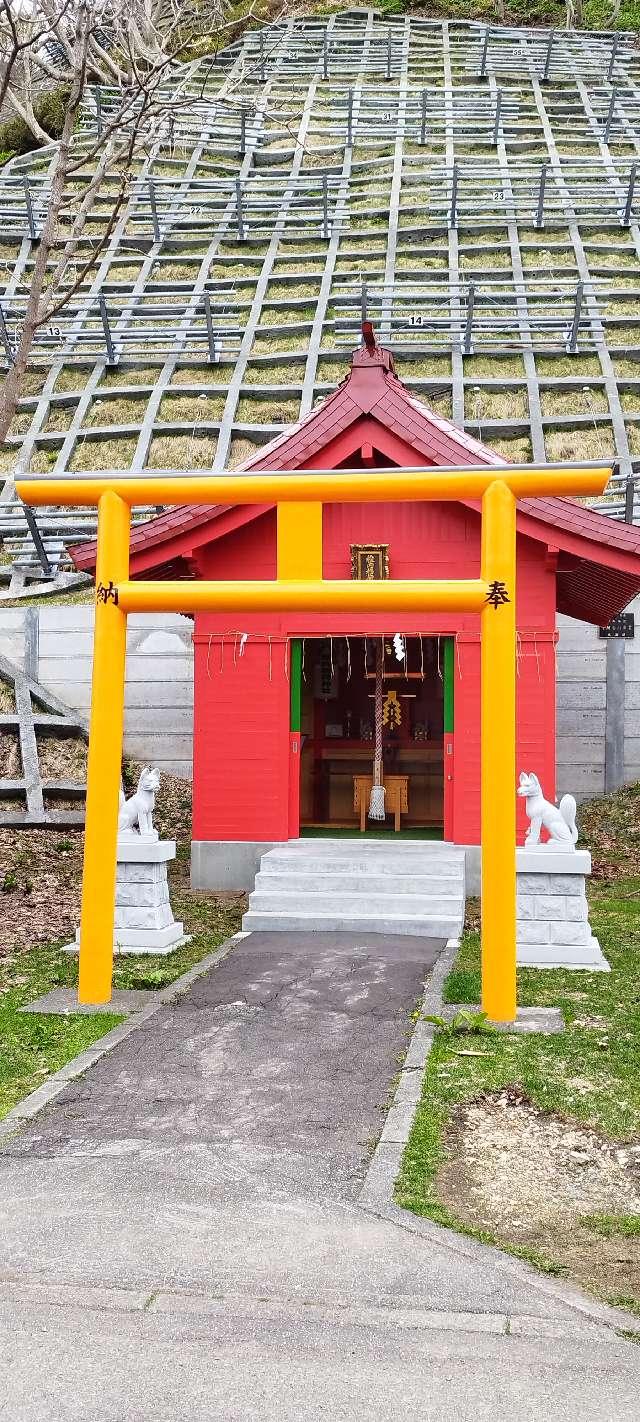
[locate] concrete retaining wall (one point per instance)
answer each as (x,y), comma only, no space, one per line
(598,709)
(598,700)
(54,645)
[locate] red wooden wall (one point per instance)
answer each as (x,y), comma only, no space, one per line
(241,727)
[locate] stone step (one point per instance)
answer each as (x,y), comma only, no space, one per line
(310,921)
(388,863)
(359,843)
(357,879)
(349,904)
(368,886)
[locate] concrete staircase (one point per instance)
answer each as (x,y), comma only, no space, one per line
(369,885)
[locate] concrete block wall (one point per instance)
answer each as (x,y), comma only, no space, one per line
(598,708)
(54,645)
(598,711)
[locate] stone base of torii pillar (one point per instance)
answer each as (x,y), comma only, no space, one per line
(144,921)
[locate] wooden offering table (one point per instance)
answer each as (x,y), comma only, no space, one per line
(396,797)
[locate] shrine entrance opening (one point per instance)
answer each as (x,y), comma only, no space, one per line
(337,725)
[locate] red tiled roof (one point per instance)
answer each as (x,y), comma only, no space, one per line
(599,567)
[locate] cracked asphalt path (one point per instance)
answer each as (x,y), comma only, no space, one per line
(183,1222)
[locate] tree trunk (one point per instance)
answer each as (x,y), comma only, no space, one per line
(11,389)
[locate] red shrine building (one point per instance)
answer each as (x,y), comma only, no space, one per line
(283,704)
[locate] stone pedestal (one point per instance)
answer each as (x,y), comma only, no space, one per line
(553,928)
(144,921)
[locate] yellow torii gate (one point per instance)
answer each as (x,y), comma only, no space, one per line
(299,586)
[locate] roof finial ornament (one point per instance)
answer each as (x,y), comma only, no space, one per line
(369,336)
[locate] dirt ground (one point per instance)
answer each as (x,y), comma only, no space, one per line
(534,1180)
(41,870)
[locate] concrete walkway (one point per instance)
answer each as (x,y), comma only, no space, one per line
(181,1236)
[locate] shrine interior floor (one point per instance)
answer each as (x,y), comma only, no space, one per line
(181,1234)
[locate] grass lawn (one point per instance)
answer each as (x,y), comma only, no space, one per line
(533,1143)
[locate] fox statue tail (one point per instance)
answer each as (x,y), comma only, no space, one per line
(567,808)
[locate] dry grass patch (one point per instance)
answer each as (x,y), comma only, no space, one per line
(429,366)
(332,370)
(607,237)
(491,257)
(102,454)
(633,436)
(623,335)
(249,250)
(62,758)
(42,461)
(128,272)
(290,291)
(124,375)
(239,451)
(60,418)
(33,382)
(440,403)
(516,449)
(358,266)
(630,400)
(546,262)
(71,378)
(482,404)
(627,304)
(562,365)
(7,699)
(580,443)
(585,401)
(492,366)
(269,411)
(197,409)
(278,316)
(182,452)
(175,271)
(21,422)
(275,345)
(301,266)
(10,759)
(627,365)
(117,411)
(613,258)
(201,375)
(274,374)
(231,271)
(429,262)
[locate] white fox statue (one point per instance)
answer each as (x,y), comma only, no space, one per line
(558,820)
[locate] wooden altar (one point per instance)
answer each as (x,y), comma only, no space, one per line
(396,797)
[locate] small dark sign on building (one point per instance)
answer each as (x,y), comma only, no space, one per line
(620,626)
